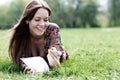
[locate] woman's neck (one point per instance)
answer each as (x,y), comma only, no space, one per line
(37,39)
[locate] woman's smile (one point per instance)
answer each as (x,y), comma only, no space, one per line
(39,23)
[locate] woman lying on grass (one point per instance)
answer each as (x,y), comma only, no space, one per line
(34,36)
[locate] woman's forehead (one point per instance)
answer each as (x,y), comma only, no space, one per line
(42,12)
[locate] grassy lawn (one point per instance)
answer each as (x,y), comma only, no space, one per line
(94,55)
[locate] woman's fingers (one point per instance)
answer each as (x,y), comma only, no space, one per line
(54,57)
(30,70)
(56,53)
(53,61)
(55,50)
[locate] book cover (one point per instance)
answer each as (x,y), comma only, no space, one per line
(37,63)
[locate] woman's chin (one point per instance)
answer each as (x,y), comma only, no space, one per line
(39,35)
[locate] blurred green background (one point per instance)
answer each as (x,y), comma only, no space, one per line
(67,13)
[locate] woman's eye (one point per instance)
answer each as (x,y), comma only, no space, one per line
(46,20)
(37,20)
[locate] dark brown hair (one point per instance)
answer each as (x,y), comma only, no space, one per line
(20,42)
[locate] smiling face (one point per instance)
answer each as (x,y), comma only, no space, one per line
(39,22)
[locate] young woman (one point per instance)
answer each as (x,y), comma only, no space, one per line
(34,36)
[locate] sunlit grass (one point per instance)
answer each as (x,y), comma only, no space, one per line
(94,55)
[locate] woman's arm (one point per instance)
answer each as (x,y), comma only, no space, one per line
(55,41)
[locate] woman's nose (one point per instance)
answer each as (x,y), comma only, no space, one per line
(41,23)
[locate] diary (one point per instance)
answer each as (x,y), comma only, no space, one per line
(37,63)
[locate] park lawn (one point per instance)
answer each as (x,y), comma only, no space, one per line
(94,54)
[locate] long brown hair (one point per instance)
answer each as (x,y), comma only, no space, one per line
(20,42)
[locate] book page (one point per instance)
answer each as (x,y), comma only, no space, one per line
(38,63)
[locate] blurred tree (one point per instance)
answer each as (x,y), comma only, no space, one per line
(15,10)
(11,13)
(58,12)
(85,13)
(76,14)
(66,13)
(3,17)
(114,12)
(89,14)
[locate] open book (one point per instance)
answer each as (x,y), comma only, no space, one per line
(37,63)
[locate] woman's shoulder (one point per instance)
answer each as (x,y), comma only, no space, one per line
(52,28)
(53,25)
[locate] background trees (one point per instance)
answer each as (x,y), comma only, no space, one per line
(74,13)
(10,13)
(66,13)
(114,12)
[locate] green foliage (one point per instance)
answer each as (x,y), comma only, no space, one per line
(15,10)
(3,18)
(11,13)
(114,12)
(88,15)
(66,13)
(94,55)
(77,13)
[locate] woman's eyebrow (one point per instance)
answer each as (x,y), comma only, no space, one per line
(40,17)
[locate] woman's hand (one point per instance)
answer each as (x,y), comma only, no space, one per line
(30,70)
(54,57)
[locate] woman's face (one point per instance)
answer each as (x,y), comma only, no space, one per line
(39,22)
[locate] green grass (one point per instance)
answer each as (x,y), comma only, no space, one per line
(94,55)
